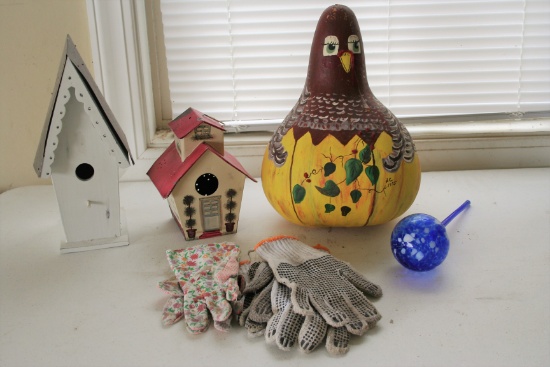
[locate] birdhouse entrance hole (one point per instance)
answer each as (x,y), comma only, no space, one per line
(206,184)
(84,171)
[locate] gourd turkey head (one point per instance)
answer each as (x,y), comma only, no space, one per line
(337,61)
(337,131)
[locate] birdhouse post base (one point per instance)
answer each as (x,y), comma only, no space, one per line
(99,243)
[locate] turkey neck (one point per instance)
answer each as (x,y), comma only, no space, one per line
(338,103)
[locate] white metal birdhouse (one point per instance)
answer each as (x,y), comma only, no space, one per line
(202,182)
(82,148)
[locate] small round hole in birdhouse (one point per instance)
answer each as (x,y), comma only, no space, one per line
(206,184)
(84,171)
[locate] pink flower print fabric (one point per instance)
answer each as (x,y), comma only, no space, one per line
(207,275)
(173,309)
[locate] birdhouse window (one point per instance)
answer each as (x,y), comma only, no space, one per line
(206,184)
(203,132)
(84,171)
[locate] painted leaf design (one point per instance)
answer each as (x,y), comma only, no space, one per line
(329,208)
(330,189)
(345,210)
(373,173)
(298,193)
(365,155)
(329,168)
(355,195)
(353,169)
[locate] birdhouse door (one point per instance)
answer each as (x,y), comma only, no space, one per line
(211,213)
(85,178)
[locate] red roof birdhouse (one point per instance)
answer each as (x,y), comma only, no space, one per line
(202,182)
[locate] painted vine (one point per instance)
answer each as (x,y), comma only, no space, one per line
(355,164)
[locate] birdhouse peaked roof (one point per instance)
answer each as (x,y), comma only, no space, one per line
(189,120)
(168,169)
(73,73)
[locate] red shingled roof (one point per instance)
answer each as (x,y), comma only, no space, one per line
(168,169)
(189,120)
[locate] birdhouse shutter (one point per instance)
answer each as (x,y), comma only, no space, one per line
(246,61)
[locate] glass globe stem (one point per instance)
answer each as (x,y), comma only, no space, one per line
(459,210)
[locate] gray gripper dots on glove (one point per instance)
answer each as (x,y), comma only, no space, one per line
(255,303)
(259,275)
(337,340)
(324,283)
(286,327)
(259,312)
(312,333)
(283,328)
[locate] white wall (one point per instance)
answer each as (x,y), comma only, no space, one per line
(32,38)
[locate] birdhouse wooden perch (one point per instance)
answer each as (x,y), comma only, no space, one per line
(202,182)
(82,148)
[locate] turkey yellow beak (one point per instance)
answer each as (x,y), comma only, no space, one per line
(346,58)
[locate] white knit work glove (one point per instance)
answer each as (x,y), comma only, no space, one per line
(321,283)
(287,327)
(253,306)
(261,296)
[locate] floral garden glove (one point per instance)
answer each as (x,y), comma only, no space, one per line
(173,309)
(321,283)
(207,276)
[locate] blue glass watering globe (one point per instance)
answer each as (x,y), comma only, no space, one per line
(419,241)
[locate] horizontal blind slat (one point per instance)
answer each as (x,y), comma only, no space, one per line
(245,59)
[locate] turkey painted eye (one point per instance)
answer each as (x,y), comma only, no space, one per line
(353,44)
(331,46)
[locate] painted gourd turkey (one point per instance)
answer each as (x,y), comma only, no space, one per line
(340,157)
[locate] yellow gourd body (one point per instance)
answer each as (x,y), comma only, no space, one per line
(368,199)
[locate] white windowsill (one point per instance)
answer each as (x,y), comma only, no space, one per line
(441,146)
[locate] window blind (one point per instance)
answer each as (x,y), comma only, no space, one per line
(245,61)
